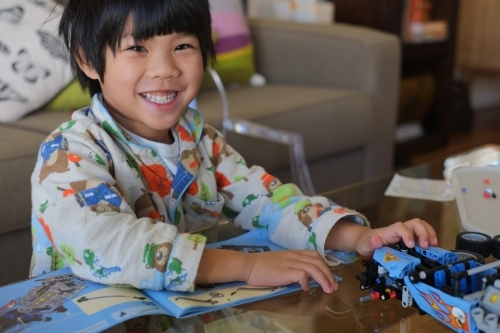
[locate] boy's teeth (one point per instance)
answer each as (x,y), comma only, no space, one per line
(160,99)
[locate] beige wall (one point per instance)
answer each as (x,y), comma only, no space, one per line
(478,40)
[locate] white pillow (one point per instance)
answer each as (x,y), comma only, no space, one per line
(34,64)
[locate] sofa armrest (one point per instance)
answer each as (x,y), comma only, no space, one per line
(340,55)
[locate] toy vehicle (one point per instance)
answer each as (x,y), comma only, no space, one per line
(454,287)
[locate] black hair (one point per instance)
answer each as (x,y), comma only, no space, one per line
(89,27)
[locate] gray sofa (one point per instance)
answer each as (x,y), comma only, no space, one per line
(336,84)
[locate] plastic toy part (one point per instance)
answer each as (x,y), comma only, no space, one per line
(406,299)
(398,264)
(462,255)
(495,248)
(487,323)
(475,242)
(444,257)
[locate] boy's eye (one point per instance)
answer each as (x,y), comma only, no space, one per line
(183,47)
(137,48)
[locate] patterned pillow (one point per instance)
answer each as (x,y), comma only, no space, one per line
(34,64)
(233,43)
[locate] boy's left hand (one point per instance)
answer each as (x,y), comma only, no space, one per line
(348,236)
(409,231)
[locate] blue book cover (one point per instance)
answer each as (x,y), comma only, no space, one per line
(60,301)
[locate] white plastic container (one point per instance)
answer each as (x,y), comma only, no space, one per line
(483,156)
(477,193)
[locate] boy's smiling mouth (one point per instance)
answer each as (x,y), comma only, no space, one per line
(159,98)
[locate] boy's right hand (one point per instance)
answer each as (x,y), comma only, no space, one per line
(265,269)
(285,267)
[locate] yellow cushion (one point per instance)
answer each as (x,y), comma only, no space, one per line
(70,98)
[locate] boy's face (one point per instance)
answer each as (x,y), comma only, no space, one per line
(148,85)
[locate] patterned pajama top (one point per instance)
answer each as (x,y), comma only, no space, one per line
(116,214)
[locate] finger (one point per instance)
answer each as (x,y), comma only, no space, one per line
(301,278)
(432,234)
(397,231)
(313,257)
(376,242)
(367,244)
(313,270)
(433,240)
(422,230)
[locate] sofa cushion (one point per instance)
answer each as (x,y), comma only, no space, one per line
(16,249)
(42,121)
(19,143)
(233,44)
(343,117)
(331,172)
(16,165)
(34,64)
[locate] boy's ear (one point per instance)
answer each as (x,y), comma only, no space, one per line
(85,66)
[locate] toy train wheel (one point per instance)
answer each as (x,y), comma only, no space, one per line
(474,241)
(495,249)
(463,255)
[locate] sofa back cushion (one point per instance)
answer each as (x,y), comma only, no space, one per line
(233,44)
(34,64)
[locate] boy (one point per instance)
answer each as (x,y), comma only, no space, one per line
(113,187)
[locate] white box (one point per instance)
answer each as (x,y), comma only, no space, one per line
(309,11)
(260,9)
(283,10)
(321,12)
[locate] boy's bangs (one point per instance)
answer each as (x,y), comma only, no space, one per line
(163,18)
(89,27)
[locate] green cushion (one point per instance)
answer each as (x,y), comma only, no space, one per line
(70,98)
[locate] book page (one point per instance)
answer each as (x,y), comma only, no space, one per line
(221,295)
(58,300)
(420,188)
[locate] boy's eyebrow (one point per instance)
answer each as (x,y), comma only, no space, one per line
(127,35)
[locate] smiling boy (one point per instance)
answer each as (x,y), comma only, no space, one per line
(116,188)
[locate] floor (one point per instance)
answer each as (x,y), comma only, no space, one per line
(485,129)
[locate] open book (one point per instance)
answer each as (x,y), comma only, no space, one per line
(60,301)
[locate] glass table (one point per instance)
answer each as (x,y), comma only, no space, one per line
(342,311)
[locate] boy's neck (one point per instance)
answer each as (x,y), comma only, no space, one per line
(169,137)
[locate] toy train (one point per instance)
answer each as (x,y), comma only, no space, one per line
(455,287)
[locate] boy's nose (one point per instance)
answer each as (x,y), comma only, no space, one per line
(163,67)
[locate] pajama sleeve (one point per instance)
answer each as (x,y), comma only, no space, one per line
(256,199)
